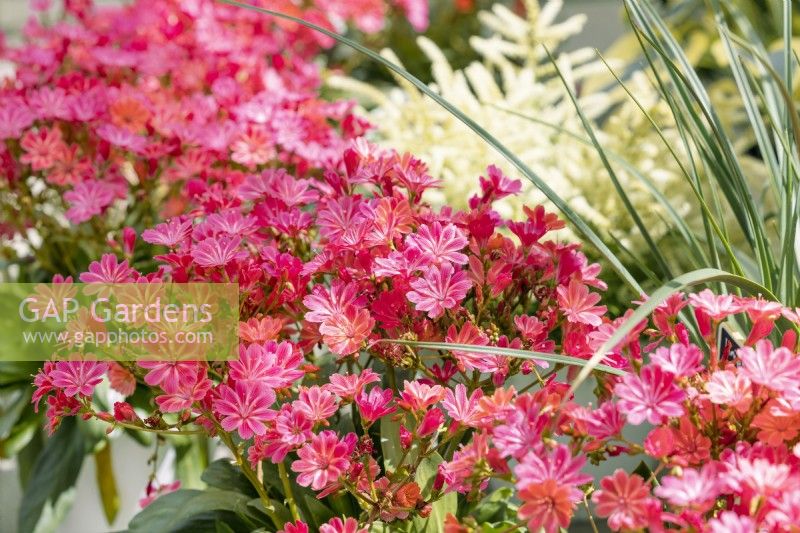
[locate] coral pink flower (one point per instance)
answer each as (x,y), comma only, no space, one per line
(337,525)
(650,396)
(170,234)
(537,466)
(348,386)
(546,506)
(78,377)
(121,379)
(344,333)
(42,148)
(728,388)
(245,408)
(321,461)
(418,396)
(375,405)
(217,251)
(439,244)
(776,425)
(679,359)
(624,500)
(87,199)
(462,409)
(578,304)
(439,289)
(778,369)
(272,364)
(253,147)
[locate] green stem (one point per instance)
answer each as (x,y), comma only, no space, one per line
(287,490)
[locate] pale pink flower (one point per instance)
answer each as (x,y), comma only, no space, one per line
(348,386)
(418,396)
(440,288)
(321,461)
(578,304)
(121,137)
(462,409)
(717,307)
(679,359)
(694,488)
(650,396)
(624,500)
(316,403)
(253,147)
(439,244)
(730,522)
(728,388)
(245,408)
(77,377)
(778,369)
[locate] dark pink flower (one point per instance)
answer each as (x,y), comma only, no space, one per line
(650,396)
(78,377)
(321,461)
(245,408)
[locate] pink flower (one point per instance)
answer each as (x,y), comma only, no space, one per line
(217,251)
(418,396)
(624,500)
(337,525)
(717,307)
(169,375)
(294,527)
(578,304)
(348,386)
(87,199)
(695,488)
(326,303)
(272,364)
(679,359)
(727,388)
(777,369)
(497,186)
(650,396)
(316,403)
(186,394)
(108,270)
(321,461)
(78,377)
(122,137)
(42,148)
(730,522)
(462,409)
(439,244)
(245,408)
(440,288)
(430,423)
(375,405)
(15,117)
(253,147)
(170,234)
(344,333)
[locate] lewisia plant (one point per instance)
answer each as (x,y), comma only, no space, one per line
(384,424)
(112,112)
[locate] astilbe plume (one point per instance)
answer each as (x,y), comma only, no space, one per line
(359,260)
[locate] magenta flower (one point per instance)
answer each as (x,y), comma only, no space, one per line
(77,377)
(440,288)
(87,199)
(578,304)
(375,404)
(15,117)
(778,369)
(245,408)
(337,525)
(650,396)
(439,244)
(321,461)
(108,270)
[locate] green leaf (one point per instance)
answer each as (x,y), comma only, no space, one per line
(188,508)
(191,459)
(53,475)
(13,401)
(447,504)
(509,352)
(106,482)
(696,277)
(223,475)
(390,443)
(495,507)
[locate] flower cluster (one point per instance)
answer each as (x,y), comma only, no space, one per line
(726,417)
(352,261)
(113,113)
